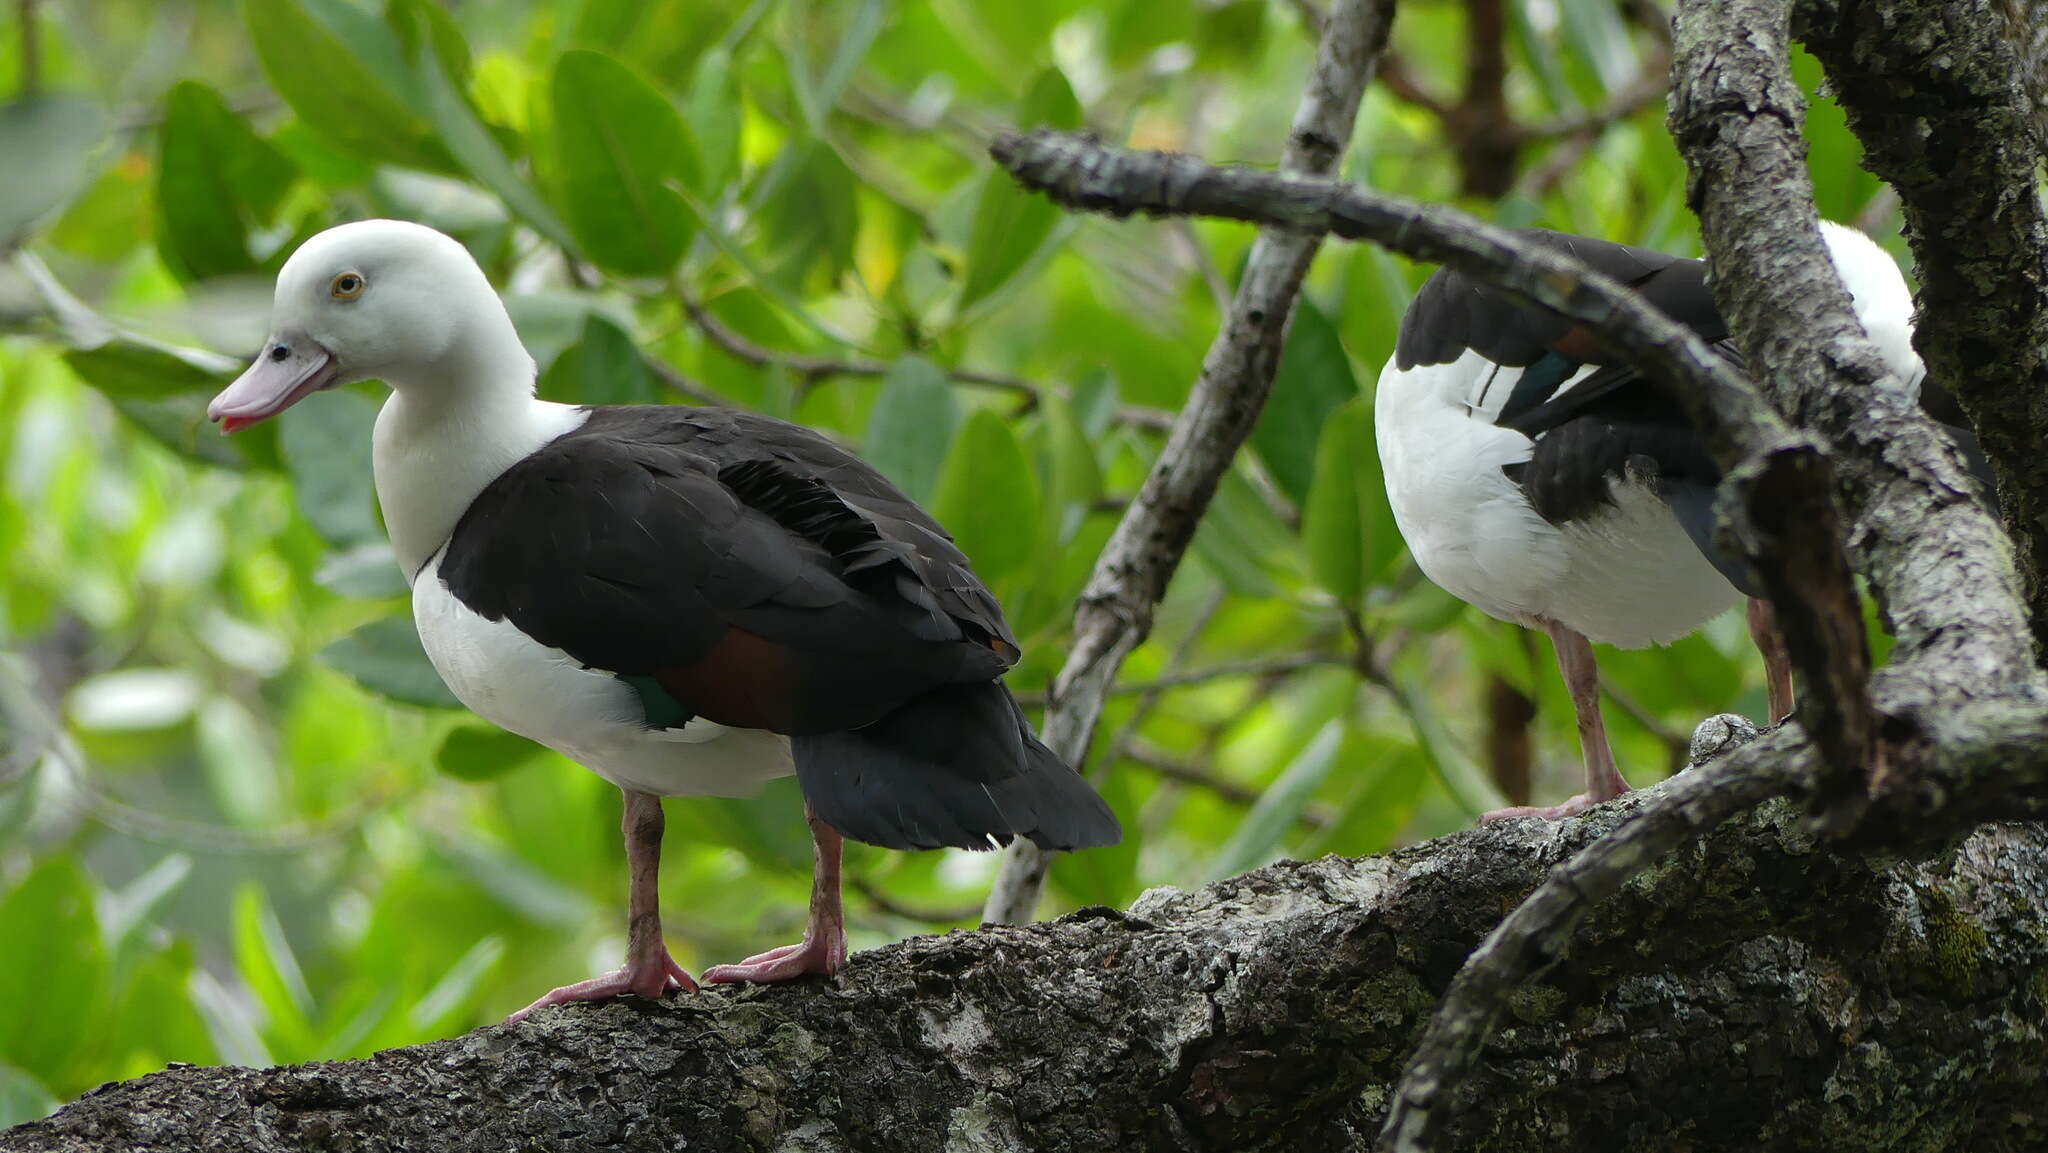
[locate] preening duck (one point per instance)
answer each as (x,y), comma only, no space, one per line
(686,601)
(1548,484)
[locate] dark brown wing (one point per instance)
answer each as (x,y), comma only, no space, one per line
(750,570)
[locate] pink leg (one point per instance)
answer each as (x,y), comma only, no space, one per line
(823,949)
(1763,629)
(649,970)
(1582,676)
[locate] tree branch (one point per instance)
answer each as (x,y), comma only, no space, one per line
(1269,1012)
(1933,556)
(1737,115)
(1933,90)
(1539,932)
(1131,574)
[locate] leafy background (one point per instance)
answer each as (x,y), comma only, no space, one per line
(241,820)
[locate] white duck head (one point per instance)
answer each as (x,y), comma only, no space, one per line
(378,298)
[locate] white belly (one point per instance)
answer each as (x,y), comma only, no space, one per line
(587,715)
(1627,577)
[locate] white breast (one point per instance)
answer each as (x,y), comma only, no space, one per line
(1630,577)
(587,715)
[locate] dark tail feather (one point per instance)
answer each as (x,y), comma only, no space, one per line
(956,767)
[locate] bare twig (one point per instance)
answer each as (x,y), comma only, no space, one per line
(1394,74)
(681,383)
(1258,668)
(813,368)
(1115,611)
(1648,88)
(879,897)
(1650,722)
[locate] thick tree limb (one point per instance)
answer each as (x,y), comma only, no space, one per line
(1937,561)
(1777,492)
(1759,991)
(1737,115)
(1114,615)
(1539,932)
(1933,89)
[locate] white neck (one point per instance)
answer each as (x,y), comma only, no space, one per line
(450,428)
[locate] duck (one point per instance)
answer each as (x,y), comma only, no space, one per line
(1550,484)
(686,601)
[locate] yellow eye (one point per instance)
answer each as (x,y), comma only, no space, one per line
(347,286)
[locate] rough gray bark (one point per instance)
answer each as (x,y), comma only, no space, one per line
(1963,696)
(1754,991)
(1114,614)
(1934,89)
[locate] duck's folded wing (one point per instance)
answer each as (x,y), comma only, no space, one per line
(1455,313)
(735,569)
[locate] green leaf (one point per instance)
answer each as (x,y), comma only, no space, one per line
(1049,103)
(1390,773)
(1258,836)
(216,180)
(49,143)
(1011,225)
(618,143)
(768,829)
(1240,537)
(480,752)
(465,136)
(265,962)
(127,912)
(1313,379)
(455,995)
(1329,518)
(23,1098)
(714,112)
(156,1019)
(385,656)
(1075,476)
(163,390)
(326,447)
(132,368)
(240,771)
(988,497)
(1230,34)
(603,367)
(818,98)
(912,426)
(811,221)
(1107,875)
(54,958)
(345,74)
(368,570)
(1346,522)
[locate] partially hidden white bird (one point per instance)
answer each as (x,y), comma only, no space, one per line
(686,601)
(1548,483)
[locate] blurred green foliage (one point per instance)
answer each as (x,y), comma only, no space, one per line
(240,819)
